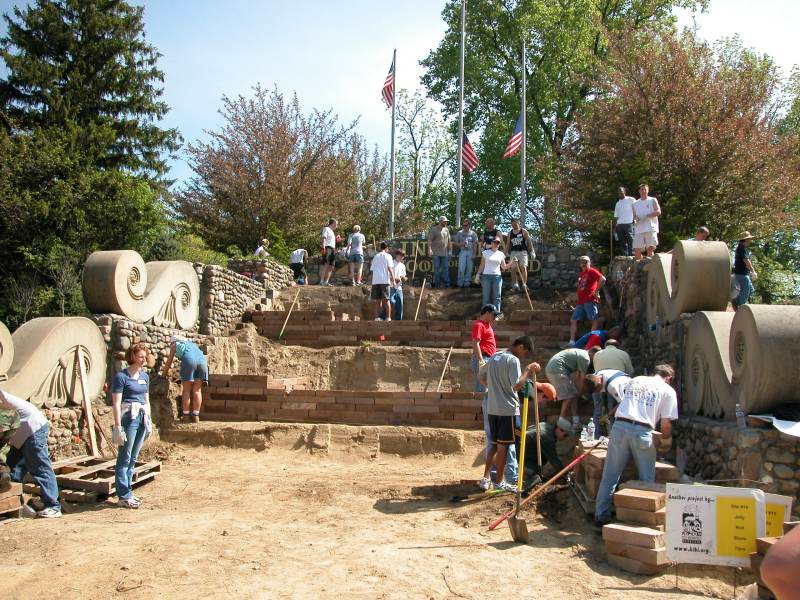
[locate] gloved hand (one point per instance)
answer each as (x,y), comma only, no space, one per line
(663,444)
(118,436)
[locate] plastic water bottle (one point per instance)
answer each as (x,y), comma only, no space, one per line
(584,434)
(590,429)
(740,420)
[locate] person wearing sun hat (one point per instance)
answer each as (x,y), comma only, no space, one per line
(743,271)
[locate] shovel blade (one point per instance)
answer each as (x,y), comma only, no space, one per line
(519,529)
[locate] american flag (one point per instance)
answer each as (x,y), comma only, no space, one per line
(515,141)
(468,157)
(388,87)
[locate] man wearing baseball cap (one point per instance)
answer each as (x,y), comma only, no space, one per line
(743,271)
(550,435)
(590,280)
(439,250)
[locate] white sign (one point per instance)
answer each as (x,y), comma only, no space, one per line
(713,525)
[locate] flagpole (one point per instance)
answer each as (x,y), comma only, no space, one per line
(392,175)
(461,114)
(522,201)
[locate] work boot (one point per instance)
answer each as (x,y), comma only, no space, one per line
(195,418)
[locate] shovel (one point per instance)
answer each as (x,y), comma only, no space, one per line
(519,528)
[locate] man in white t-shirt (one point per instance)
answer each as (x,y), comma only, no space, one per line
(647,402)
(328,252)
(605,386)
(297,264)
(623,221)
(382,267)
(396,298)
(646,212)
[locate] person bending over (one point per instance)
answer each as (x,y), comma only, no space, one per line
(194,373)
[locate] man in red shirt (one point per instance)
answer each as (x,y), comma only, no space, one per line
(483,343)
(590,280)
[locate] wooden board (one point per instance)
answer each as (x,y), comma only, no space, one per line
(633,566)
(764,544)
(642,517)
(14,490)
(92,474)
(646,537)
(650,556)
(640,499)
(10,504)
(76,496)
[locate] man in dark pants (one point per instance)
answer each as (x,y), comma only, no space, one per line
(550,435)
(623,221)
(29,453)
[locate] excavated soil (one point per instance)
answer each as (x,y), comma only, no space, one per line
(232,523)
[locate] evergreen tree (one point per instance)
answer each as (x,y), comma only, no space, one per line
(84,66)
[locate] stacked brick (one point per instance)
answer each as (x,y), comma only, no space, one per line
(11,501)
(257,398)
(638,545)
(323,328)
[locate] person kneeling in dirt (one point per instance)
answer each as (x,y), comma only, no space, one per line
(29,453)
(503,377)
(646,402)
(194,372)
(550,435)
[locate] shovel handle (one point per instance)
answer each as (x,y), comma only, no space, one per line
(544,486)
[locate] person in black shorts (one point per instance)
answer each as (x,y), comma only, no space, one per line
(297,264)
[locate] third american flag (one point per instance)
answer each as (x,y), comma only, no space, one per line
(388,87)
(515,141)
(468,157)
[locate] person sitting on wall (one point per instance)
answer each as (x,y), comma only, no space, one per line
(29,452)
(297,262)
(130,401)
(647,402)
(194,372)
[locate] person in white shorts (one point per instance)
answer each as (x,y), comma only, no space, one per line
(518,246)
(646,212)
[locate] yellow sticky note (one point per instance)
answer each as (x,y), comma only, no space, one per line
(776,515)
(736,526)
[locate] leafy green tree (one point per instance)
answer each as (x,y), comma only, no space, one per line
(567,49)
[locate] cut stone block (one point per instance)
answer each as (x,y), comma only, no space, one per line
(642,517)
(646,537)
(640,499)
(633,566)
(764,544)
(650,556)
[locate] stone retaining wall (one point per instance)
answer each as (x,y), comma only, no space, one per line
(225,296)
(720,450)
(271,273)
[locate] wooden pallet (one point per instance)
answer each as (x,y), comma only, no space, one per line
(97,474)
(75,496)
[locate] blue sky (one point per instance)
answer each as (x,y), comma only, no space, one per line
(336,54)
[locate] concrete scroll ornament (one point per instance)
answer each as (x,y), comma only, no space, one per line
(39,361)
(748,357)
(164,292)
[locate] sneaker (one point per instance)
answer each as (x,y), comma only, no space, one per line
(485,483)
(27,512)
(499,317)
(137,499)
(49,513)
(515,288)
(504,486)
(131,502)
(568,344)
(601,522)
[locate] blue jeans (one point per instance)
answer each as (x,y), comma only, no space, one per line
(34,458)
(745,289)
(492,288)
(512,468)
(465,260)
(441,271)
(127,454)
(599,398)
(396,299)
(626,440)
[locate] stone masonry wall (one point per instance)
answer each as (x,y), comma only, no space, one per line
(224,297)
(719,450)
(271,273)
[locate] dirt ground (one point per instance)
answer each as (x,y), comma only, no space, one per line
(233,523)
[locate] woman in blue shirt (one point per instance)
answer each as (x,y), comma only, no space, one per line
(130,398)
(194,372)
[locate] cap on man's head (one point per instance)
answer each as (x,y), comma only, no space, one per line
(489,308)
(547,389)
(562,423)
(443,220)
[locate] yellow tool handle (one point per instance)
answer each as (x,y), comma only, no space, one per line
(524,437)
